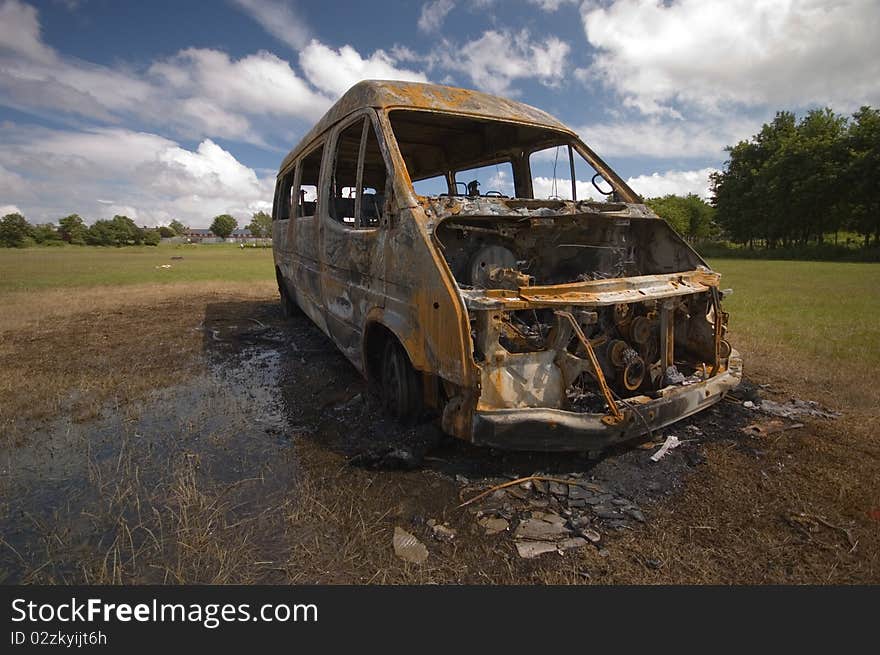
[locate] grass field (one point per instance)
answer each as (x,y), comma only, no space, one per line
(815,321)
(30,269)
(813,312)
(823,309)
(84,329)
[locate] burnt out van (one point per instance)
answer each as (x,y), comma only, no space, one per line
(479,263)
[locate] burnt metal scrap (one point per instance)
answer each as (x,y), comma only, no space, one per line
(522,322)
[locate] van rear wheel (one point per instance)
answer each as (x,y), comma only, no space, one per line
(289,308)
(400,387)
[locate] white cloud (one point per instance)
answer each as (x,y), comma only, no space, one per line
(672,182)
(667,138)
(9,209)
(497,58)
(500,181)
(101,172)
(336,71)
(433,14)
(20,32)
(221,92)
(547,187)
(11,183)
(551,5)
(197,93)
(281,19)
(711,53)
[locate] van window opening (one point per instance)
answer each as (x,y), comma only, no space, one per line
(357,185)
(283,196)
(431,186)
(308,172)
(489,151)
(553,170)
(490,180)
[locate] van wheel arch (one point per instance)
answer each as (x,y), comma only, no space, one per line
(391,374)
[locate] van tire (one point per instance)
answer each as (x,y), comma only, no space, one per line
(289,308)
(400,386)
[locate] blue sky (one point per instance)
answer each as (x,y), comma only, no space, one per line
(164,110)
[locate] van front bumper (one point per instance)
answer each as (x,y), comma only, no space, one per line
(542,429)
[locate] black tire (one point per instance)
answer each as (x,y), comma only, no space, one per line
(399,385)
(289,308)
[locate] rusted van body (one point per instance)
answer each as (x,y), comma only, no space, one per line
(558,323)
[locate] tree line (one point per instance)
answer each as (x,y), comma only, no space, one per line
(796,182)
(17,232)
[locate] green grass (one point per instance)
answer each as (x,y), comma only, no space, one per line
(825,310)
(83,266)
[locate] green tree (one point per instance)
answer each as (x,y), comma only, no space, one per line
(118,231)
(783,186)
(861,181)
(46,233)
(690,215)
(807,169)
(223,225)
(101,233)
(152,237)
(126,231)
(72,229)
(15,231)
(166,232)
(261,225)
(179,228)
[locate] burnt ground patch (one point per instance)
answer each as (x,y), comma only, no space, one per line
(273,462)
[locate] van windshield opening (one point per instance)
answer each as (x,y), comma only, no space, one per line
(446,154)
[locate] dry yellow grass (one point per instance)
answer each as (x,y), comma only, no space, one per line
(73,350)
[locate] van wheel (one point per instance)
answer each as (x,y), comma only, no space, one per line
(289,308)
(400,390)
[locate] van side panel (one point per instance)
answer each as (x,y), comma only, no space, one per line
(353,282)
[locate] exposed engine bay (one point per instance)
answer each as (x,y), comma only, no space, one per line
(582,307)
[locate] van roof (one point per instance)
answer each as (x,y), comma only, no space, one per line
(386,94)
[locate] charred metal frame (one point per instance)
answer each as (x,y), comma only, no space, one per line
(404,280)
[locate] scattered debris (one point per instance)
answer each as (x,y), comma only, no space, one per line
(772,426)
(808,524)
(177,257)
(386,459)
(553,514)
(571,542)
(591,535)
(795,409)
(165,266)
(671,442)
(408,548)
(493,525)
(540,529)
(442,532)
(531,549)
(530,478)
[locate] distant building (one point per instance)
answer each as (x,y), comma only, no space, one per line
(204,235)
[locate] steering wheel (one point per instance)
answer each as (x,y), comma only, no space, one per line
(604,193)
